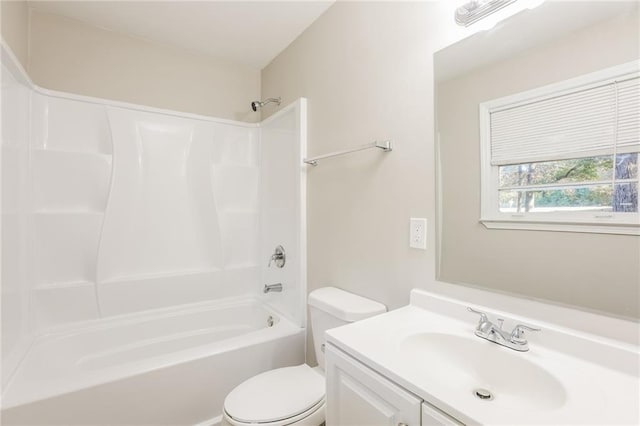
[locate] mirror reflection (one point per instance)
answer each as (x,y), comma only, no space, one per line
(537,130)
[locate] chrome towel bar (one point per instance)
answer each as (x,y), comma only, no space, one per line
(385,146)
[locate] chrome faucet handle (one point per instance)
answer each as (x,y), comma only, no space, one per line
(517,335)
(278,257)
(483,316)
(484,325)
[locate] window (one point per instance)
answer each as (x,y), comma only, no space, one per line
(565,156)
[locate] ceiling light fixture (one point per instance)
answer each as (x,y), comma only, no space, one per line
(475,10)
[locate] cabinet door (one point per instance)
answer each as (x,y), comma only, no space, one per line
(358,396)
(431,416)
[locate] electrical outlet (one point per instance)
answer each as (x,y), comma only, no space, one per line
(418,233)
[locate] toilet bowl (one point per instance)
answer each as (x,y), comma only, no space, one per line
(296,395)
(284,396)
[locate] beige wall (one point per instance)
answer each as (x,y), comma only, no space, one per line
(367,75)
(71,56)
(594,271)
(366,69)
(15,28)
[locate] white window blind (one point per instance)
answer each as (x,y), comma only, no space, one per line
(586,121)
(628,115)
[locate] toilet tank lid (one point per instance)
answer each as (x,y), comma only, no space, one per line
(344,305)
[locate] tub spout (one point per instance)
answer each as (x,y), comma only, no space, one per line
(268,288)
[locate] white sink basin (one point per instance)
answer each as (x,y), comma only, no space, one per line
(464,365)
(568,377)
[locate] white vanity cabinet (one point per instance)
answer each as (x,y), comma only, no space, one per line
(413,365)
(431,416)
(358,396)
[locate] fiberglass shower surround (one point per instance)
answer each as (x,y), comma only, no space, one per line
(137,198)
(115,212)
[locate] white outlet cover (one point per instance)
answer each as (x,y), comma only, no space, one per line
(418,233)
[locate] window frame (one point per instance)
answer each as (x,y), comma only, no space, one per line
(589,222)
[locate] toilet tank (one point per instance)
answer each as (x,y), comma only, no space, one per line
(330,307)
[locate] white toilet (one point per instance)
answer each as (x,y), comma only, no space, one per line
(296,395)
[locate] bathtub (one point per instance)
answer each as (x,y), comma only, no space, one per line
(163,367)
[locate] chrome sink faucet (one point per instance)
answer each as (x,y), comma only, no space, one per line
(494,333)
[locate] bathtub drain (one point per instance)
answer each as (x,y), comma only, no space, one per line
(483,394)
(270,321)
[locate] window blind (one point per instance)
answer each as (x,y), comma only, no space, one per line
(629,115)
(585,122)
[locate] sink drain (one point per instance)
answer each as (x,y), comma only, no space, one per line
(483,394)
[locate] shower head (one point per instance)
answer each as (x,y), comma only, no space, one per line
(256,105)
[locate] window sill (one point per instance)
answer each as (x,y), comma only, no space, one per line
(557,226)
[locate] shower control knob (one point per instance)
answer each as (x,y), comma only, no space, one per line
(278,257)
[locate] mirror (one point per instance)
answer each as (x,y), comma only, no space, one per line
(555,42)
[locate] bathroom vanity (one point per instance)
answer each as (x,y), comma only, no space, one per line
(360,395)
(425,364)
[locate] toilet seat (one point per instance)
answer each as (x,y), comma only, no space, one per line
(277,397)
(313,417)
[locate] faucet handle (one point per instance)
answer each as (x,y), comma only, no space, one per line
(278,257)
(517,335)
(483,316)
(484,325)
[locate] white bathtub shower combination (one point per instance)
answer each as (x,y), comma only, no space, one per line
(135,247)
(168,366)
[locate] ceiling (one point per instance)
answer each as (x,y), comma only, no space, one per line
(525,30)
(246,32)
